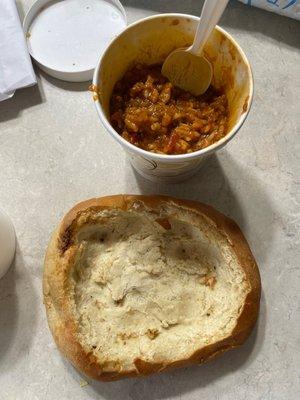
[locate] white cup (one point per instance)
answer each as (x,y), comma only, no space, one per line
(149,41)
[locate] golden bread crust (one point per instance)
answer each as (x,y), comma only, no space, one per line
(59,259)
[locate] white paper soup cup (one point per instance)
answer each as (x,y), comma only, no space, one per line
(149,41)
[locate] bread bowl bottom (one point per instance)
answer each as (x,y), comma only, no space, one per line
(149,286)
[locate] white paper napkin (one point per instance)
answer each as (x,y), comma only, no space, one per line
(15,64)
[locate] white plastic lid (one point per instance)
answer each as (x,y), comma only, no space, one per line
(7,243)
(66,38)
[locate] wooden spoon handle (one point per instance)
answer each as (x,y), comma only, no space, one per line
(211,13)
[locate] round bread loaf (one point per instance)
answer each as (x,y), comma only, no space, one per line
(140,284)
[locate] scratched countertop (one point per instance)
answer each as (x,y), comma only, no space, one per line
(54,153)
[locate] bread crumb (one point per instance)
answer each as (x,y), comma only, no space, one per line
(208,280)
(124,336)
(211,282)
(152,333)
(83,383)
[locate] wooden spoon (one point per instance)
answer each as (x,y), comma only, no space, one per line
(187,68)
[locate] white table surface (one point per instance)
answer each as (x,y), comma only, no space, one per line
(53,153)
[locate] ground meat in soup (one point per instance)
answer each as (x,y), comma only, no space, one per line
(151,113)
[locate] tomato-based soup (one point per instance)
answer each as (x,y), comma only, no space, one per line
(151,113)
